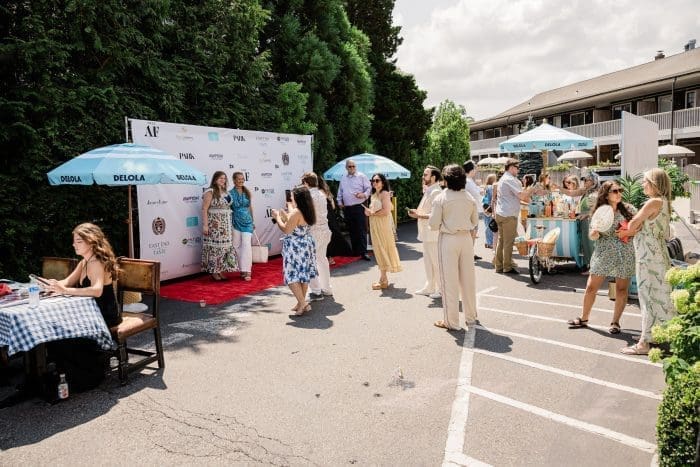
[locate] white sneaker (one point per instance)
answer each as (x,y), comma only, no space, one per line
(327,293)
(435,295)
(422,292)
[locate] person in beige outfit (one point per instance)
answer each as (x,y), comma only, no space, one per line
(431,177)
(455,216)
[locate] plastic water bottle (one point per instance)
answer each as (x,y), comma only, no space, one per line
(62,387)
(33,295)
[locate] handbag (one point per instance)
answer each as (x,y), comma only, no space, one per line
(493,225)
(259,251)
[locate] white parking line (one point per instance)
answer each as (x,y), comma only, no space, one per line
(570,374)
(636,443)
(642,361)
(549,318)
(454,446)
(540,302)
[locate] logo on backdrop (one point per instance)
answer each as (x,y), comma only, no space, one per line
(303,157)
(159,248)
(283,139)
(190,265)
(159,202)
(192,221)
(158,226)
(152,131)
(190,199)
(239,138)
(266,175)
(192,241)
(213,136)
(268,212)
(265,159)
(285,158)
(286,176)
(217,157)
(129,178)
(266,192)
(301,141)
(183,136)
(187,156)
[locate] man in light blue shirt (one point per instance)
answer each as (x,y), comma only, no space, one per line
(354,190)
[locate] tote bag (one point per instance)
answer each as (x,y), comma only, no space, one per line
(260,251)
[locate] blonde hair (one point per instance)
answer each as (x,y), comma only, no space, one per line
(491,179)
(661,182)
(101,248)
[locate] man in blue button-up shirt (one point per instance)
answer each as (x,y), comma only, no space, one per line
(354,190)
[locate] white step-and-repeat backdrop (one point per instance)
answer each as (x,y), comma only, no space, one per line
(170,224)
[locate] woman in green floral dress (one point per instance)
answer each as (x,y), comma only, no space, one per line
(650,227)
(611,258)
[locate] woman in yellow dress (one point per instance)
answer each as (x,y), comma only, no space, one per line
(381,230)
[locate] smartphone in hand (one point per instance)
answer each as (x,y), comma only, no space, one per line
(40,280)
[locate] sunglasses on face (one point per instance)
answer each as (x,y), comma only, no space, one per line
(349,166)
(376,180)
(617,190)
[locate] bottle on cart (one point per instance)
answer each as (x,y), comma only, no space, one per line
(548,210)
(62,387)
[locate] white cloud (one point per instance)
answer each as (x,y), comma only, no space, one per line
(490,55)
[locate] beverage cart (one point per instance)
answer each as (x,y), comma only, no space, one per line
(542,257)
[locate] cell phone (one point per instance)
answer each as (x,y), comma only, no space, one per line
(39,279)
(288,195)
(408,209)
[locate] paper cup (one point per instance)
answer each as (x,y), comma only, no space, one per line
(202,303)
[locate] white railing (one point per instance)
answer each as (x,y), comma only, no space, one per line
(682,119)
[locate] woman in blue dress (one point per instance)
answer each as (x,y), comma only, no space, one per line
(298,246)
(242,224)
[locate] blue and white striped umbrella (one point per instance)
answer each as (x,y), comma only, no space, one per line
(546,137)
(125,164)
(369,164)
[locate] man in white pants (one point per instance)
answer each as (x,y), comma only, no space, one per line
(431,188)
(320,285)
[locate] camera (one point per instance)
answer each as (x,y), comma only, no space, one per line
(273,220)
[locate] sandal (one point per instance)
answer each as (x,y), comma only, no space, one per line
(614,328)
(380,285)
(577,323)
(634,350)
(300,313)
(441,324)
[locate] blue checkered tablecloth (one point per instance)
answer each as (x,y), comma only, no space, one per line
(56,318)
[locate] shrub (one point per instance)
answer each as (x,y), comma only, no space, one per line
(677,427)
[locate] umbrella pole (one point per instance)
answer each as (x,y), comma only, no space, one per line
(130,221)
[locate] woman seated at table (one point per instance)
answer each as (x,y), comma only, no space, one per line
(94,274)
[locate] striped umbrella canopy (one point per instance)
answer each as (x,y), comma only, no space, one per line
(546,138)
(369,164)
(125,164)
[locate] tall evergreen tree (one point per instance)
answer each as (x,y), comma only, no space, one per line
(448,137)
(312,43)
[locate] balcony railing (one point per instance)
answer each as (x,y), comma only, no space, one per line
(682,119)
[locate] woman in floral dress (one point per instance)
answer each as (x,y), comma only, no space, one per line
(218,255)
(298,246)
(611,258)
(650,227)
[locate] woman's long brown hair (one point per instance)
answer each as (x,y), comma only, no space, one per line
(602,199)
(102,249)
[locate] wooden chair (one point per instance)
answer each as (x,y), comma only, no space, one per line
(137,275)
(53,267)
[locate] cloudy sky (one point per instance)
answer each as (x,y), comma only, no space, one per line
(490,55)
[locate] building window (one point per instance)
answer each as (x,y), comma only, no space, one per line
(577,119)
(665,103)
(690,99)
(618,109)
(556,121)
(481,134)
(497,133)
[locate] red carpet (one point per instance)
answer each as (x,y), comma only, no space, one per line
(203,287)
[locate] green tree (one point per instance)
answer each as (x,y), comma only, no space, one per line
(70,74)
(312,43)
(448,137)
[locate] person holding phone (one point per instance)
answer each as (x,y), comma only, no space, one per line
(243,224)
(298,247)
(95,273)
(320,286)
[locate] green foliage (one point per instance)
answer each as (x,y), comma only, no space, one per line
(677,425)
(561,167)
(633,191)
(678,178)
(448,137)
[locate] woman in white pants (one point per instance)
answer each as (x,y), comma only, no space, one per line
(320,285)
(242,224)
(455,215)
